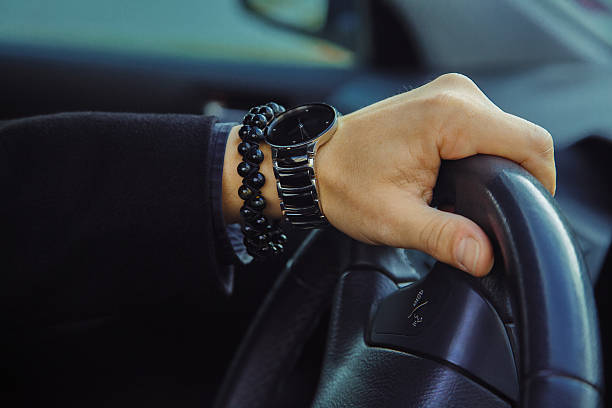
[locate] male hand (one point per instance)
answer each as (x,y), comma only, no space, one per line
(377,173)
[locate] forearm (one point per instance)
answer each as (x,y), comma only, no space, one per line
(113,207)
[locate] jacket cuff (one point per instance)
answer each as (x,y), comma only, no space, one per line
(230,237)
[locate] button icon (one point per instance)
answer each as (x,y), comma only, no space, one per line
(417,304)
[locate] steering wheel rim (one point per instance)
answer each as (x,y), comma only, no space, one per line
(557,317)
(559,337)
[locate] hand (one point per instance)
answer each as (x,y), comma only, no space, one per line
(376,175)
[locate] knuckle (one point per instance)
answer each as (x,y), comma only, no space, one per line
(452,142)
(448,99)
(548,142)
(435,236)
(456,80)
(453,77)
(542,141)
(454,117)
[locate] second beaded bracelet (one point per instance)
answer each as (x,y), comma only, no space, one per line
(261,238)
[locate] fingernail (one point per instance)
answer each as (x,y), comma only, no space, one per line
(467,253)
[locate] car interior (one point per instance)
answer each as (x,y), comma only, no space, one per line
(334,322)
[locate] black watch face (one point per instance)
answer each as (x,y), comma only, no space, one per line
(300,125)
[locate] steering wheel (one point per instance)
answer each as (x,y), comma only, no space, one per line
(526,335)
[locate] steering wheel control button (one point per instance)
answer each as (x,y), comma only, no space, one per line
(412,309)
(443,317)
(416,316)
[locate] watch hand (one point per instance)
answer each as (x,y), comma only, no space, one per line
(303,132)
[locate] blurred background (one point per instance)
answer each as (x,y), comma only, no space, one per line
(549,61)
(211,55)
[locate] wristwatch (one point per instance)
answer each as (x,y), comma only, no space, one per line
(294,137)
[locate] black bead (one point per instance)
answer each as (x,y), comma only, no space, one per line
(248,119)
(244,169)
(245,192)
(276,249)
(281,238)
(253,251)
(248,231)
(261,239)
(255,155)
(247,213)
(256,181)
(243,132)
(255,135)
(260,223)
(267,111)
(254,110)
(263,252)
(260,121)
(257,203)
(275,107)
(244,147)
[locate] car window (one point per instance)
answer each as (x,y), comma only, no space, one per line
(200,29)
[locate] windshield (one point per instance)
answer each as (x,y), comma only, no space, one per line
(200,29)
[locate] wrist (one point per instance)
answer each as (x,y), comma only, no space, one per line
(327,168)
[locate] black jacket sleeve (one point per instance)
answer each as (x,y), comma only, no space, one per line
(102,211)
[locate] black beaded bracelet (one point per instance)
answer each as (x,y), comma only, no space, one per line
(261,238)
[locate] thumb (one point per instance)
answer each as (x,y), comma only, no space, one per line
(452,239)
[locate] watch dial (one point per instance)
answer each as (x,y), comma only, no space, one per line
(300,125)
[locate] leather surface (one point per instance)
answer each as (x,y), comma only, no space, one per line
(356,375)
(291,311)
(544,269)
(445,318)
(541,278)
(550,390)
(284,323)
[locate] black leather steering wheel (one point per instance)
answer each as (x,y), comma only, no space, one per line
(526,335)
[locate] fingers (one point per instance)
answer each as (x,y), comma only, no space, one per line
(469,123)
(491,131)
(540,160)
(450,238)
